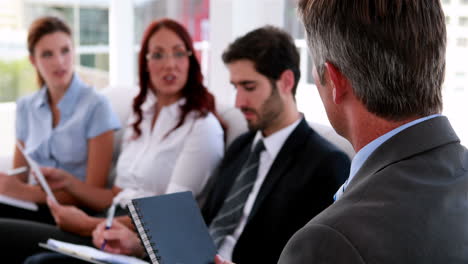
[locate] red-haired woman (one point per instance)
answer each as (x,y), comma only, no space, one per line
(172,143)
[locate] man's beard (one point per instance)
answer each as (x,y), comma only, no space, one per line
(268,112)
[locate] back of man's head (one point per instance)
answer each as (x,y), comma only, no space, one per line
(391,51)
(270,49)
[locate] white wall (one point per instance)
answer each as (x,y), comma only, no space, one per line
(121,34)
(230,19)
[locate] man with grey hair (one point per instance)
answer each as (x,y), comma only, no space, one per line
(379,68)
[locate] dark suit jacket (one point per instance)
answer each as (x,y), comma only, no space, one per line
(300,183)
(407,204)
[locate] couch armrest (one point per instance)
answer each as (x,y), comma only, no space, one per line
(120,98)
(235,122)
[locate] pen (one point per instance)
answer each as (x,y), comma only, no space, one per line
(17,171)
(110,217)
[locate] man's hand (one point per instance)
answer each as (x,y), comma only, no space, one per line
(71,218)
(120,239)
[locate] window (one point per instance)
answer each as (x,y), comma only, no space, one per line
(463,21)
(94,38)
(462,42)
(89,23)
(91,36)
(460,74)
(193,14)
(308,100)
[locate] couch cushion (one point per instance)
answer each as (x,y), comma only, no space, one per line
(329,133)
(234,121)
(121,99)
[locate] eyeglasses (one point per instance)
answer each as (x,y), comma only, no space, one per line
(160,56)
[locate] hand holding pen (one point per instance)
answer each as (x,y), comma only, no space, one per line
(109,219)
(120,239)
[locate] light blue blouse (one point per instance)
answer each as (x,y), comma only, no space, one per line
(84,114)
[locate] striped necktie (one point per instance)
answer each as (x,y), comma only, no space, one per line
(231,211)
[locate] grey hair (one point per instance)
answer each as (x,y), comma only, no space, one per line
(391,51)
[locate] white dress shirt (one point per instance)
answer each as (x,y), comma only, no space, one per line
(155,164)
(273,145)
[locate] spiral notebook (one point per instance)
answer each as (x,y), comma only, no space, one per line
(172,229)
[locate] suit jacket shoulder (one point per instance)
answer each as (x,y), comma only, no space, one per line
(302,249)
(403,206)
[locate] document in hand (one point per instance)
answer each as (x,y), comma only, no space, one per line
(37,172)
(18,203)
(172,229)
(89,254)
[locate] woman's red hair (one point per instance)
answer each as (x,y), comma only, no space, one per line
(198,98)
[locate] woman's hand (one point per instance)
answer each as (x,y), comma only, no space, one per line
(120,239)
(58,179)
(71,218)
(10,185)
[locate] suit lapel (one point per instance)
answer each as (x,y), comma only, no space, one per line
(223,178)
(416,139)
(282,162)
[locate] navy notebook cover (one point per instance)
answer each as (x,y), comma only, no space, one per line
(172,229)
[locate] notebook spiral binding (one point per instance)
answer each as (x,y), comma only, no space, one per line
(149,245)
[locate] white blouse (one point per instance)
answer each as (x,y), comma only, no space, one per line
(155,164)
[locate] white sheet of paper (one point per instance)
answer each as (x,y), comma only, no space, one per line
(93,253)
(37,172)
(18,203)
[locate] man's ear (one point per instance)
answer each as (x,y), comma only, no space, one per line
(340,84)
(286,81)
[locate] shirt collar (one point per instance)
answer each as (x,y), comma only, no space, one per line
(274,142)
(71,96)
(68,100)
(367,150)
(151,100)
(41,99)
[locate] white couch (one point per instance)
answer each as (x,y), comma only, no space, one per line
(5,163)
(121,101)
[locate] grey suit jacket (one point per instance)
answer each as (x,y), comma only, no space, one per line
(407,204)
